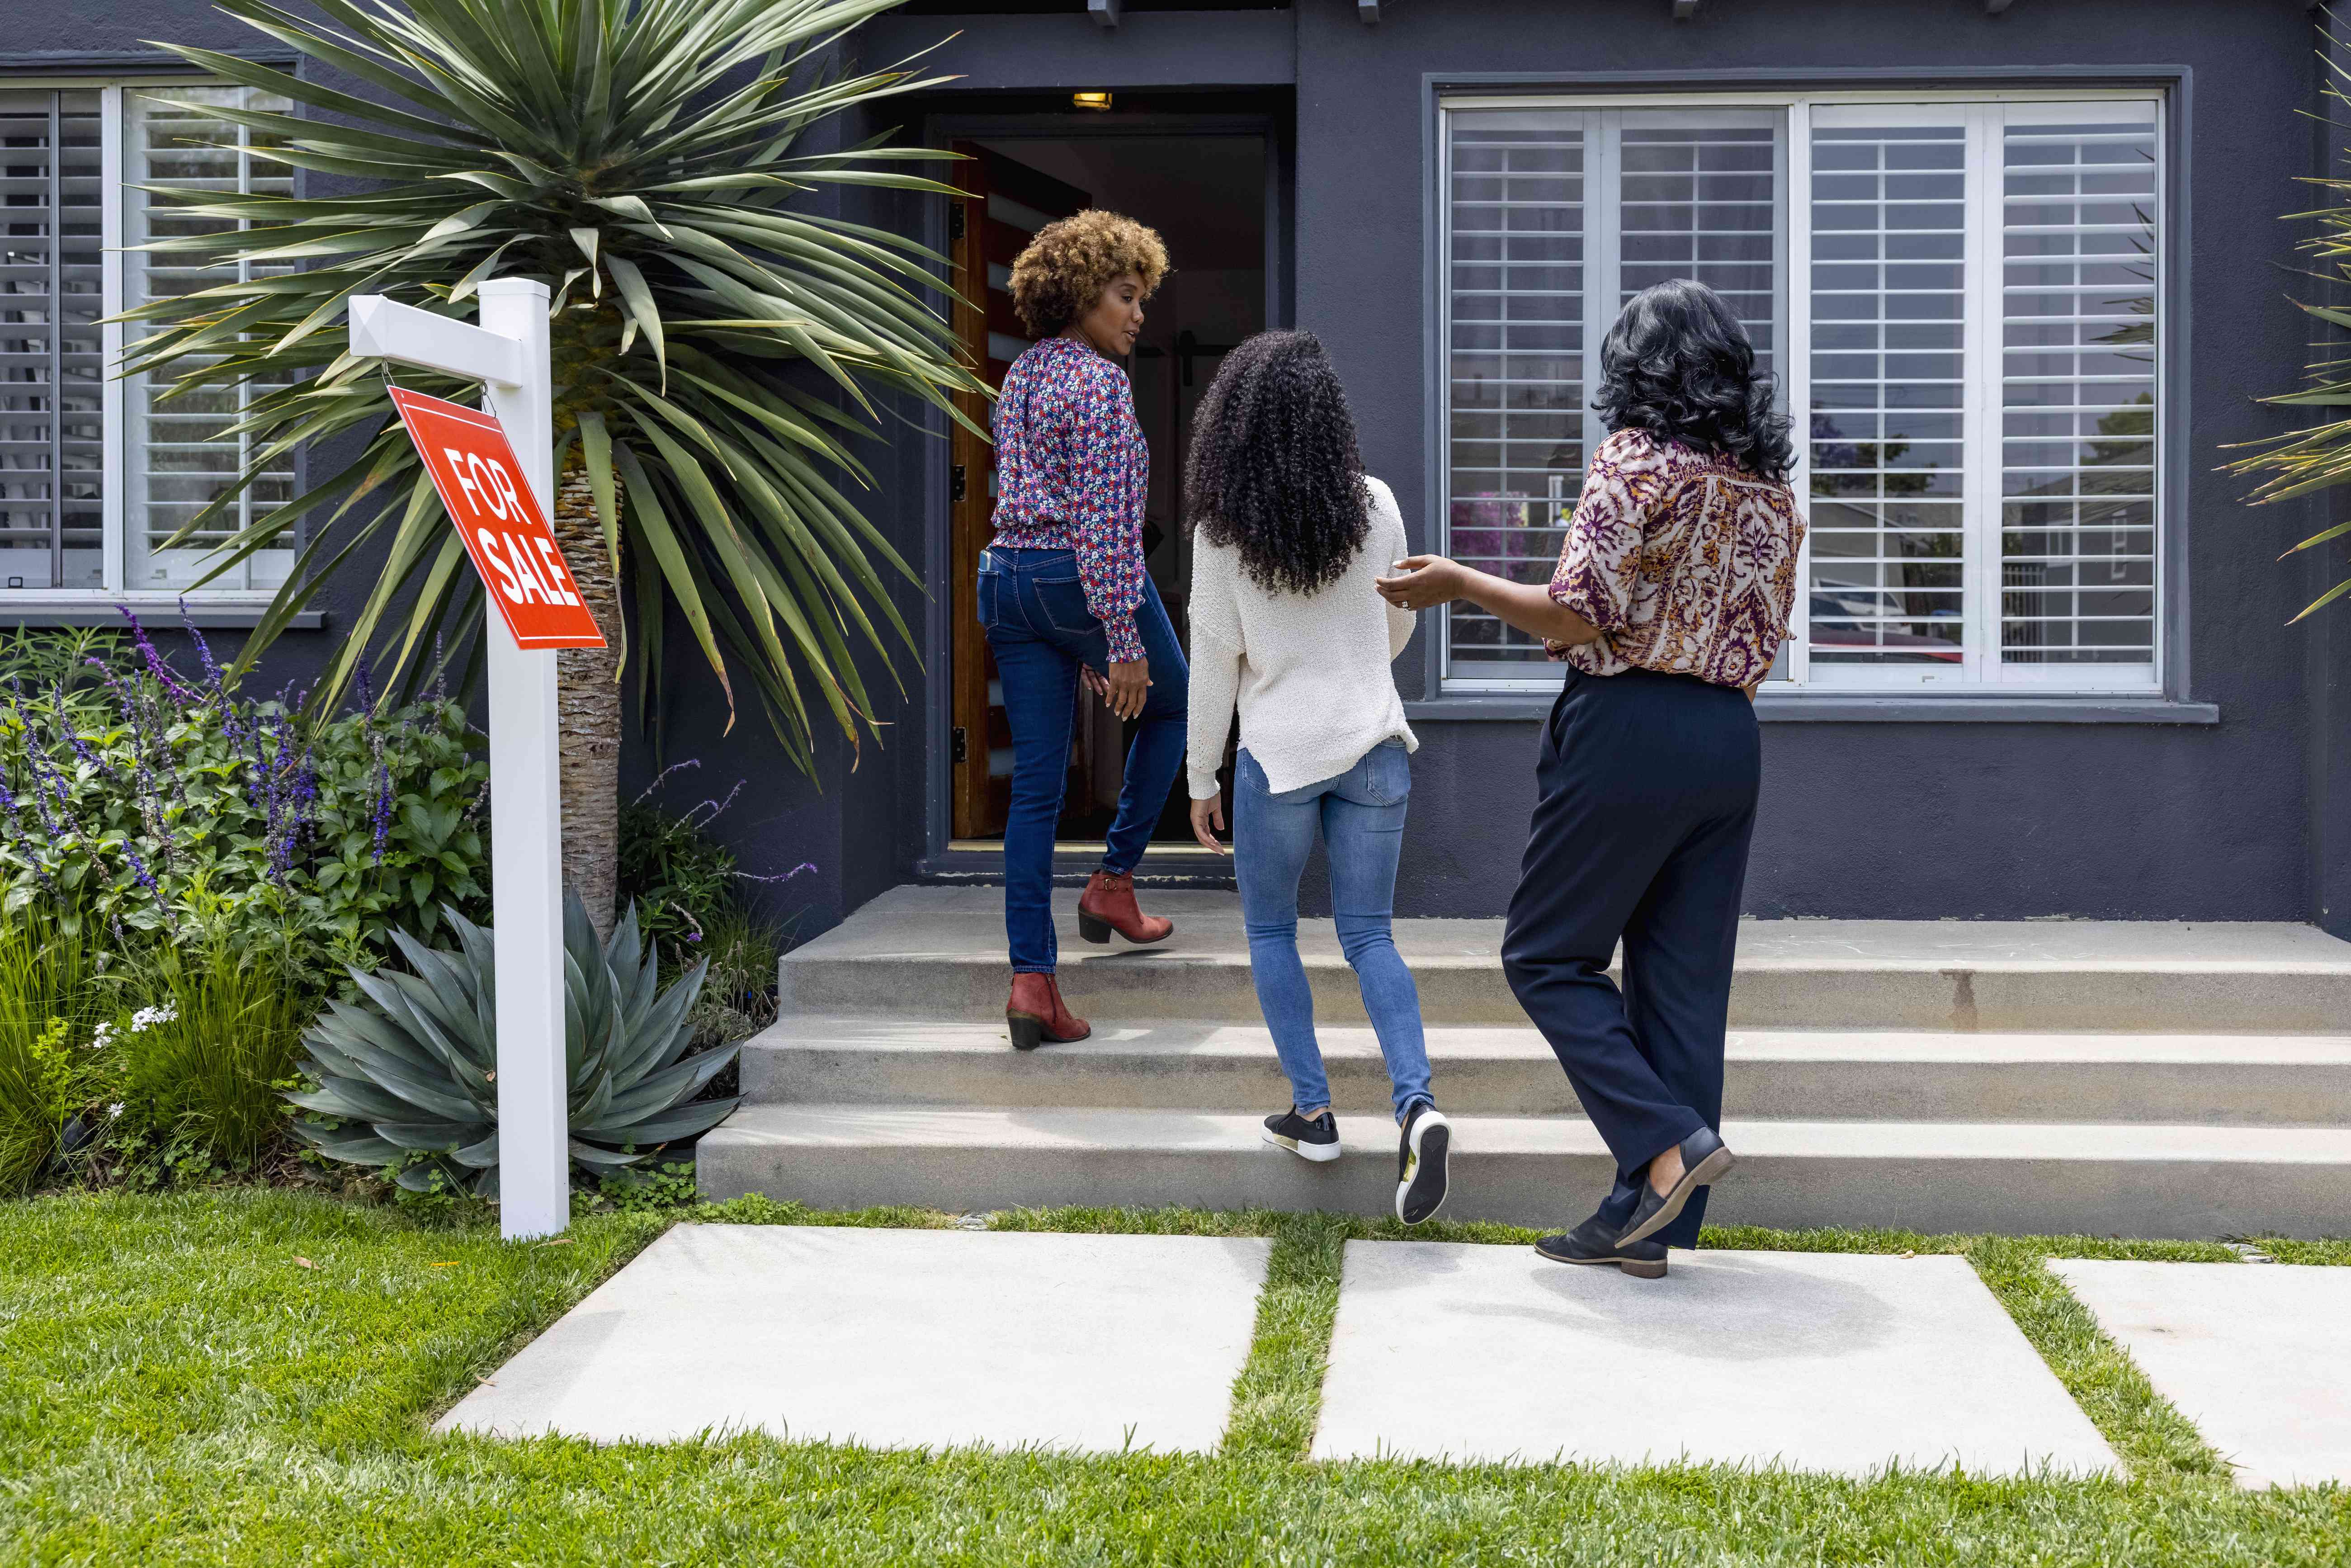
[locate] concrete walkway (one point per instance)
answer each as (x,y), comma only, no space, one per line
(919,1339)
(2258,1358)
(1809,1361)
(1840,1363)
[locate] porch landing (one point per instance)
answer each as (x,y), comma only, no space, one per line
(2153,1078)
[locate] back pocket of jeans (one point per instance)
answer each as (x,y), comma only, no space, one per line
(1388,773)
(1062,602)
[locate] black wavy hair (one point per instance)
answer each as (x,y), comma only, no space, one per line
(1274,471)
(1678,365)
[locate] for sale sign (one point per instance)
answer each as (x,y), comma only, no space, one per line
(481,484)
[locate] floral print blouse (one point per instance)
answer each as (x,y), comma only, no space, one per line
(1686,562)
(1072,468)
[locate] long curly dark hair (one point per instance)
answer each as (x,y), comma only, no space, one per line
(1274,471)
(1678,365)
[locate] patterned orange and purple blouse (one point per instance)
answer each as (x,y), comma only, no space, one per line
(1686,562)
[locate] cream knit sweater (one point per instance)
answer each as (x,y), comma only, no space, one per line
(1310,672)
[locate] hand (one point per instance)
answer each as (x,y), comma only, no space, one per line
(1094,681)
(1207,814)
(1126,686)
(1424,581)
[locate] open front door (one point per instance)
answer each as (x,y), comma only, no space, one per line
(1005,203)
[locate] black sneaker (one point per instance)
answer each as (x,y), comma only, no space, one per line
(1594,1241)
(1420,1162)
(1309,1138)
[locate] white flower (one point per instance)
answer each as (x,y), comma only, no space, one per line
(146,1018)
(114,1110)
(102,1036)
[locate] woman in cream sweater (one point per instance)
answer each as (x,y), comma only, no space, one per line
(1289,537)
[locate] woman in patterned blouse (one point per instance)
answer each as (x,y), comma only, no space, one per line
(1064,595)
(1669,605)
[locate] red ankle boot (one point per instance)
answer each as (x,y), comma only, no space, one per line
(1037,1014)
(1108,905)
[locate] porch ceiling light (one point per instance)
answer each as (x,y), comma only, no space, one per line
(1098,101)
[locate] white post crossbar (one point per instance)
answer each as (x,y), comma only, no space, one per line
(508,353)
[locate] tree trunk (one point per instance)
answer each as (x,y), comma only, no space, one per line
(588,707)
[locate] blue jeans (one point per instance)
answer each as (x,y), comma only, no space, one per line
(1034,610)
(1360,816)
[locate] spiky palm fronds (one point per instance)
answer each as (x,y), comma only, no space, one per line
(640,157)
(2317,456)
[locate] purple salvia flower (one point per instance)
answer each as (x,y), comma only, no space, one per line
(73,736)
(661,777)
(367,693)
(155,665)
(440,671)
(382,817)
(715,808)
(780,876)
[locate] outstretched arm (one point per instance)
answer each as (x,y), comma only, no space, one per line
(1424,581)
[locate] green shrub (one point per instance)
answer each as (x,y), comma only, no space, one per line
(203,1073)
(50,1005)
(142,798)
(689,889)
(404,1079)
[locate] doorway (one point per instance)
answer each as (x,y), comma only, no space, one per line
(1206,195)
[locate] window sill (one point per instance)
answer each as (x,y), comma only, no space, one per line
(162,614)
(1868,707)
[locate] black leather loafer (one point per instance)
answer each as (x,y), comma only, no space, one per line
(1704,1161)
(1595,1241)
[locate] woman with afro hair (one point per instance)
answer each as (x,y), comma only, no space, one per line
(1289,537)
(1669,605)
(1064,595)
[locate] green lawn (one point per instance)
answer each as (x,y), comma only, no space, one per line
(176,1387)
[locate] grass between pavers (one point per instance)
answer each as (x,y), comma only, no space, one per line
(176,1387)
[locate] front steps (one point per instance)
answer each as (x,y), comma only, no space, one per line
(2150,1080)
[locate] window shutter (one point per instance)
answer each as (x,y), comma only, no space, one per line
(52,359)
(1888,392)
(2078,256)
(1516,361)
(180,454)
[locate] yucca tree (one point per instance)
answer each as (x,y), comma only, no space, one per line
(2318,455)
(716,346)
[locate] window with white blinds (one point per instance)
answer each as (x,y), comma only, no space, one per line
(95,472)
(1961,299)
(52,359)
(1556,218)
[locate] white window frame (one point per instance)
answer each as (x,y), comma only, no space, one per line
(1981,672)
(114,93)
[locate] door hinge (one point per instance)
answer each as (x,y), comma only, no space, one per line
(962,746)
(955,221)
(958,486)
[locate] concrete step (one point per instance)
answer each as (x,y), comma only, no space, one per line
(2155,1180)
(2219,1079)
(938,952)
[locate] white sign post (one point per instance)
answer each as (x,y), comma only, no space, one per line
(508,353)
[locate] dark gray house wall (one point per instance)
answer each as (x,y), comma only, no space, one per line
(1891,818)
(2247,818)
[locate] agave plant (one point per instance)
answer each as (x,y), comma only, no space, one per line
(641,158)
(405,1076)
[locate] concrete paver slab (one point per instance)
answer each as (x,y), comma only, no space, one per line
(1812,1360)
(2258,1358)
(896,1339)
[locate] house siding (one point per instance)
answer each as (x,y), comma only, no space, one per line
(2240,820)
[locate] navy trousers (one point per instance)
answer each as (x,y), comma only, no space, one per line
(1647,801)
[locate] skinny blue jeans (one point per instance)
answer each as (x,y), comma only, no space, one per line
(1040,631)
(1360,814)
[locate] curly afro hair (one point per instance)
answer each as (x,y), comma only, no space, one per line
(1678,365)
(1059,275)
(1274,471)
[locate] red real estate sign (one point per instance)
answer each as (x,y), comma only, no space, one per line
(497,517)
